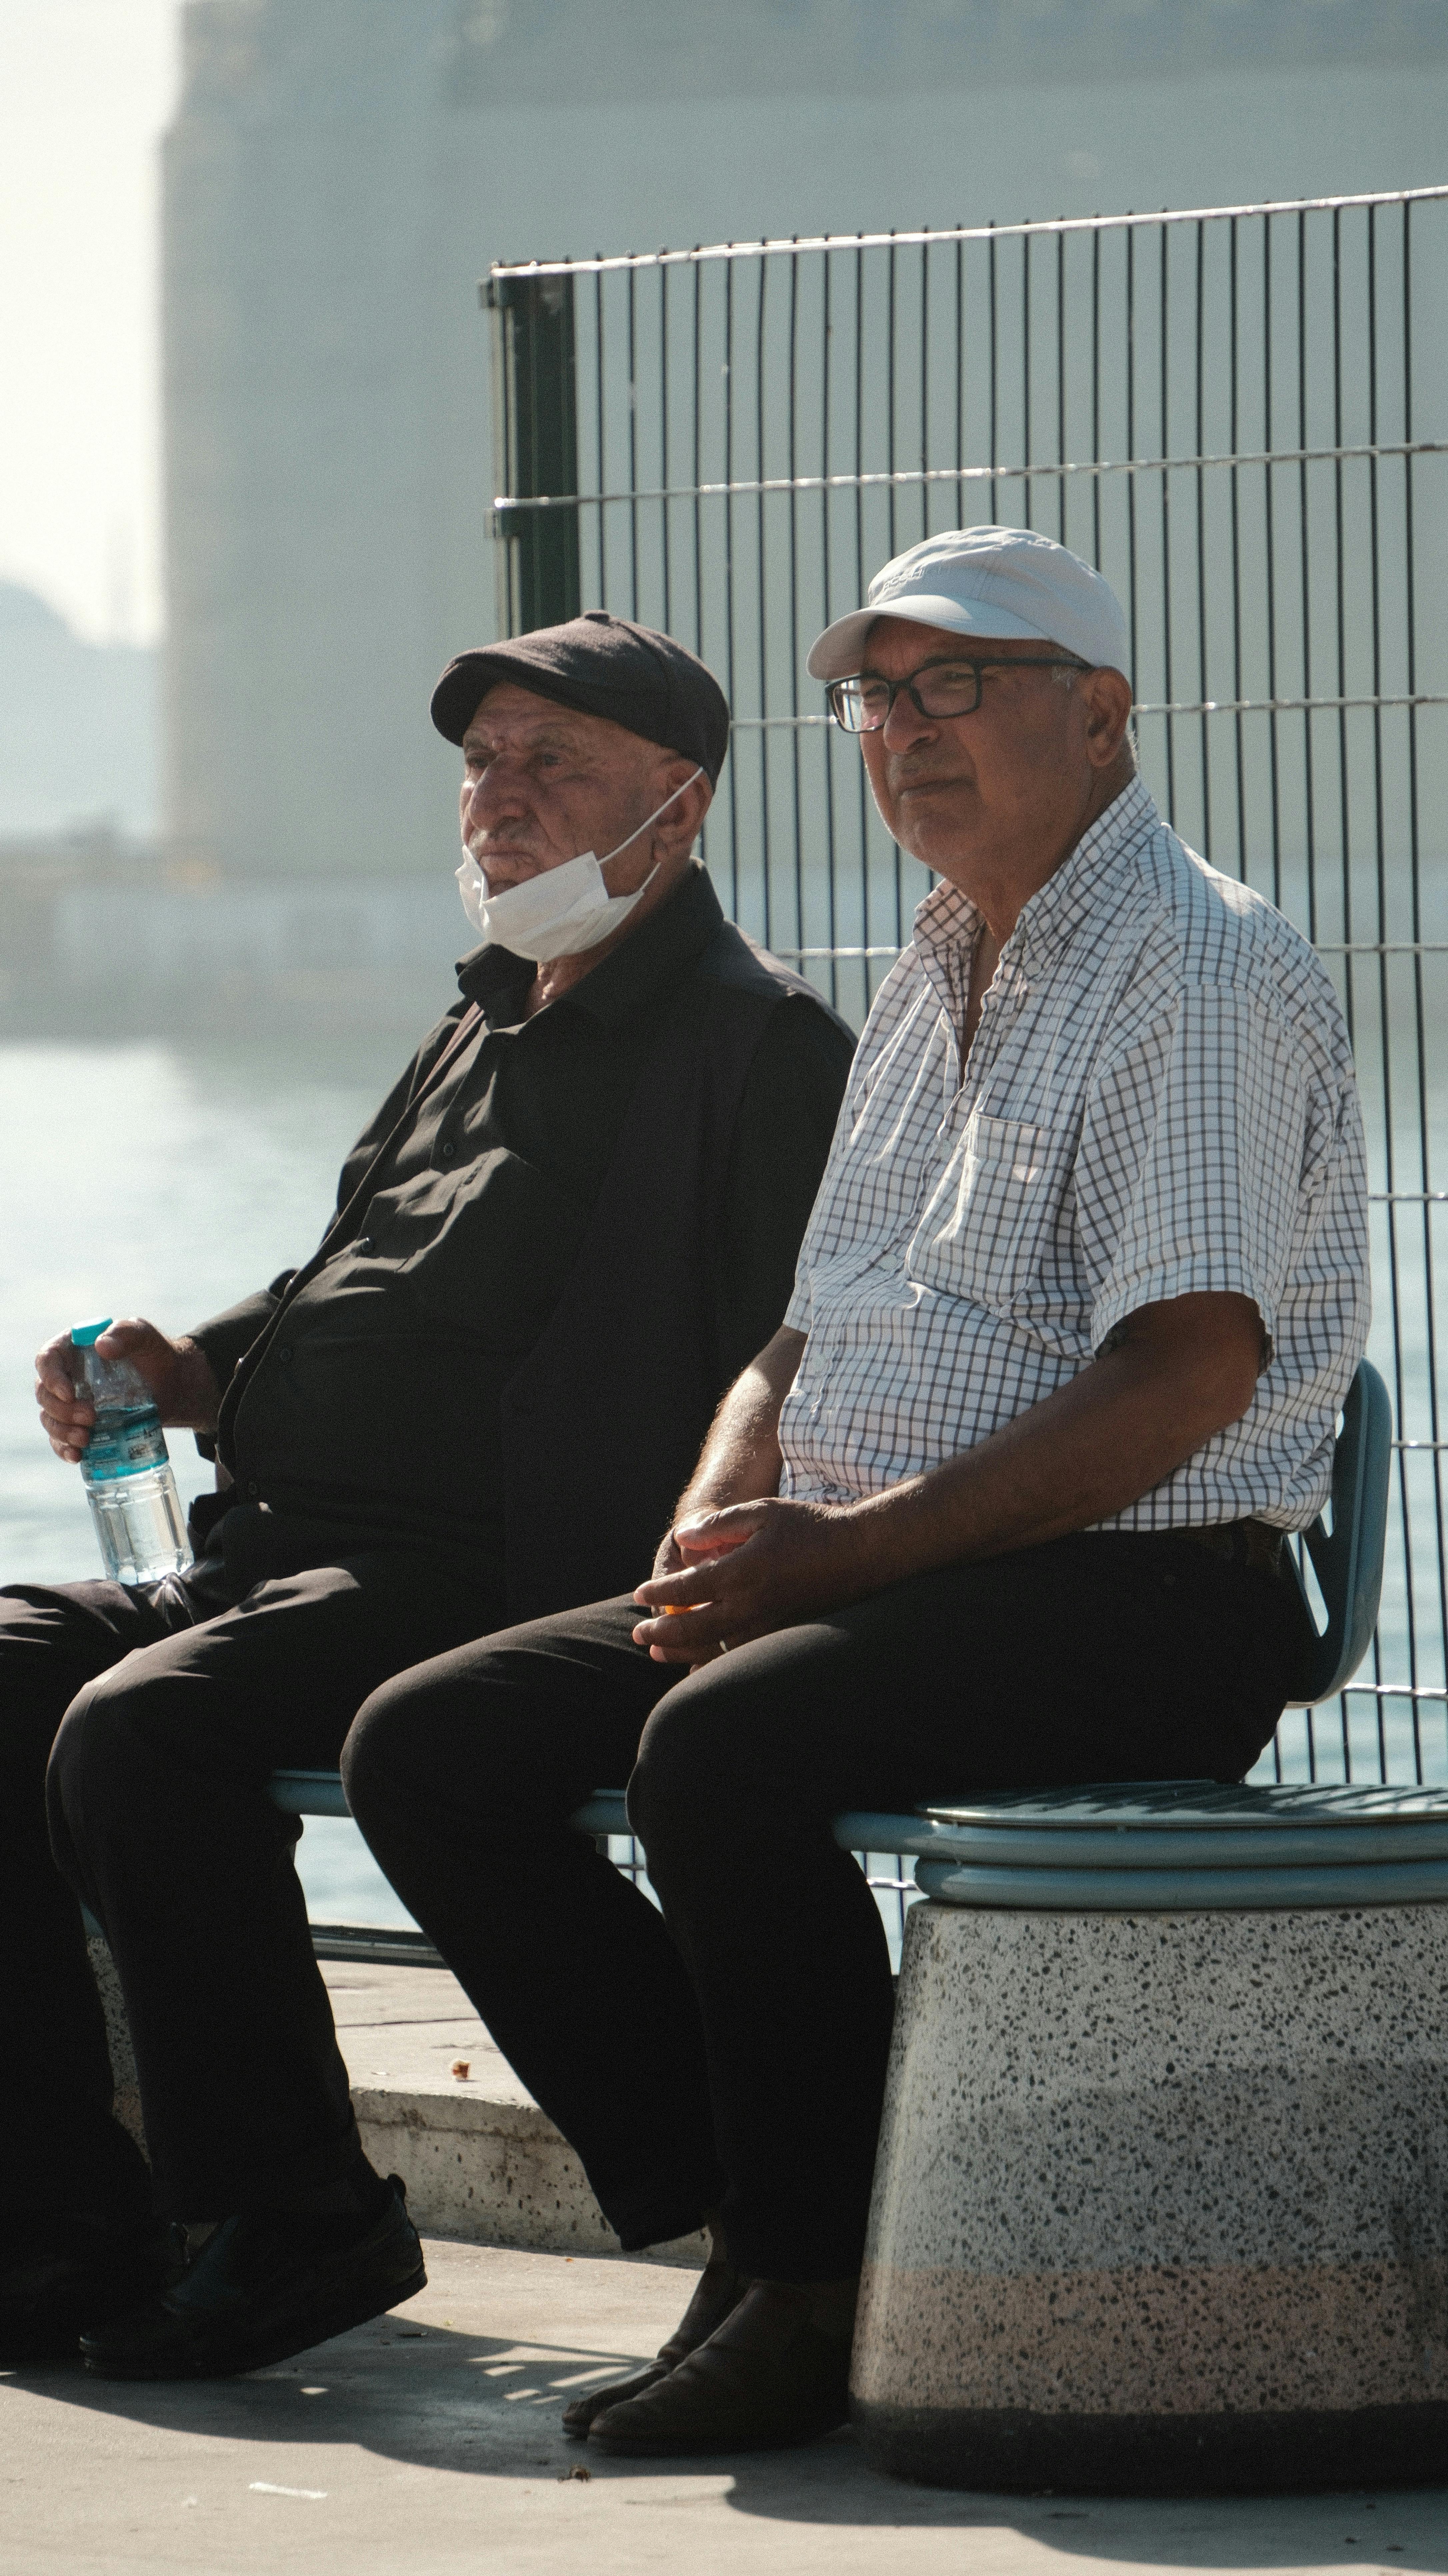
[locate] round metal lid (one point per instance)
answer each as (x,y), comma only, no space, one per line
(1195,1824)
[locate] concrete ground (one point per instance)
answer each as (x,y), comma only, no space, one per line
(409,2027)
(429,2441)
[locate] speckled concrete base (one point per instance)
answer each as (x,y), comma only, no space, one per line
(1008,2451)
(127,2104)
(1162,2200)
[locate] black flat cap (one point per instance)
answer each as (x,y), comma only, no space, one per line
(604,666)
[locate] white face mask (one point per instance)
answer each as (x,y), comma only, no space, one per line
(561,911)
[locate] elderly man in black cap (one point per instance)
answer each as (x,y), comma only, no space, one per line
(563,1234)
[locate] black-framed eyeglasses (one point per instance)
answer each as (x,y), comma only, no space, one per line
(862,703)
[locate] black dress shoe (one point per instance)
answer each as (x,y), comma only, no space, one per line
(263,2287)
(717,2291)
(59,2275)
(774,2374)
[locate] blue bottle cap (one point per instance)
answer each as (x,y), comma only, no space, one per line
(83,1336)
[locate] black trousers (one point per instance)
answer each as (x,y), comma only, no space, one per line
(167,1708)
(733,2052)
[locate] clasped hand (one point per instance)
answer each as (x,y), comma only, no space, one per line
(723,1577)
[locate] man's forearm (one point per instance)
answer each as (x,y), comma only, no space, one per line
(1181,1373)
(740,1460)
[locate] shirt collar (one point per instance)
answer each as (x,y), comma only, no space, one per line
(948,920)
(661,948)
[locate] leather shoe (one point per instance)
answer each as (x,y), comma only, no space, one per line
(774,2374)
(59,2275)
(265,2285)
(717,2292)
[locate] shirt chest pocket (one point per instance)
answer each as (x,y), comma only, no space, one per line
(992,1228)
(488,1248)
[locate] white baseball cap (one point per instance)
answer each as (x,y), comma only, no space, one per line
(985,581)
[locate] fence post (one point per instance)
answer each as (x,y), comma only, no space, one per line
(536,445)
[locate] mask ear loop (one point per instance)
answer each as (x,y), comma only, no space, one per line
(653,818)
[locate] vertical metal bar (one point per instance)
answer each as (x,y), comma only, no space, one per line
(600,513)
(1163,247)
(890,387)
(698,460)
(1203,692)
(959,379)
(832,936)
(1132,618)
(892,370)
(665,410)
(924,387)
(1390,1159)
(696,503)
(866,904)
(993,372)
(631,276)
(766,855)
(1096,396)
(1028,509)
(502,373)
(1305,551)
(1234,449)
(1061,385)
(1340,630)
(730,674)
(540,415)
(794,634)
(1430,1291)
(1385,1048)
(1270,551)
(1346,825)
(859,455)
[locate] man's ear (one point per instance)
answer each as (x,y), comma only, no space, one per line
(1108,700)
(678,829)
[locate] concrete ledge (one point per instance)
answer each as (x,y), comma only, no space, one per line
(490,2171)
(480,2161)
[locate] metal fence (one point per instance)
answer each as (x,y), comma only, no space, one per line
(1241,415)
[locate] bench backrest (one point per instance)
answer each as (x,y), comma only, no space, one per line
(1348,1562)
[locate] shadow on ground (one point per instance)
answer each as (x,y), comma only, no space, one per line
(431,2396)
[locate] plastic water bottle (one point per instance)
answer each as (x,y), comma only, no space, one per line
(129,1480)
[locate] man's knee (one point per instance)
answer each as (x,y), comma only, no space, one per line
(381,1753)
(428,1736)
(94,1755)
(700,1767)
(513,1728)
(50,1646)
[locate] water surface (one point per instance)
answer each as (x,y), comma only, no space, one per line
(164,1180)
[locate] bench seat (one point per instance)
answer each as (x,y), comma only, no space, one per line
(319,1793)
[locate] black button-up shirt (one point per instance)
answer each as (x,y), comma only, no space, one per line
(463,1208)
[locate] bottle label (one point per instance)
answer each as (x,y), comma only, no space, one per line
(124,1443)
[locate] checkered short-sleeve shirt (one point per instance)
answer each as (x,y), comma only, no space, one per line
(1159,1100)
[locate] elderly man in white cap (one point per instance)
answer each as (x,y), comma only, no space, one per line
(1001,1505)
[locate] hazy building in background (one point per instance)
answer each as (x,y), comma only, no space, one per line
(77,726)
(340,174)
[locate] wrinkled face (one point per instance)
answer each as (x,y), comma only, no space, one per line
(958,792)
(542,783)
